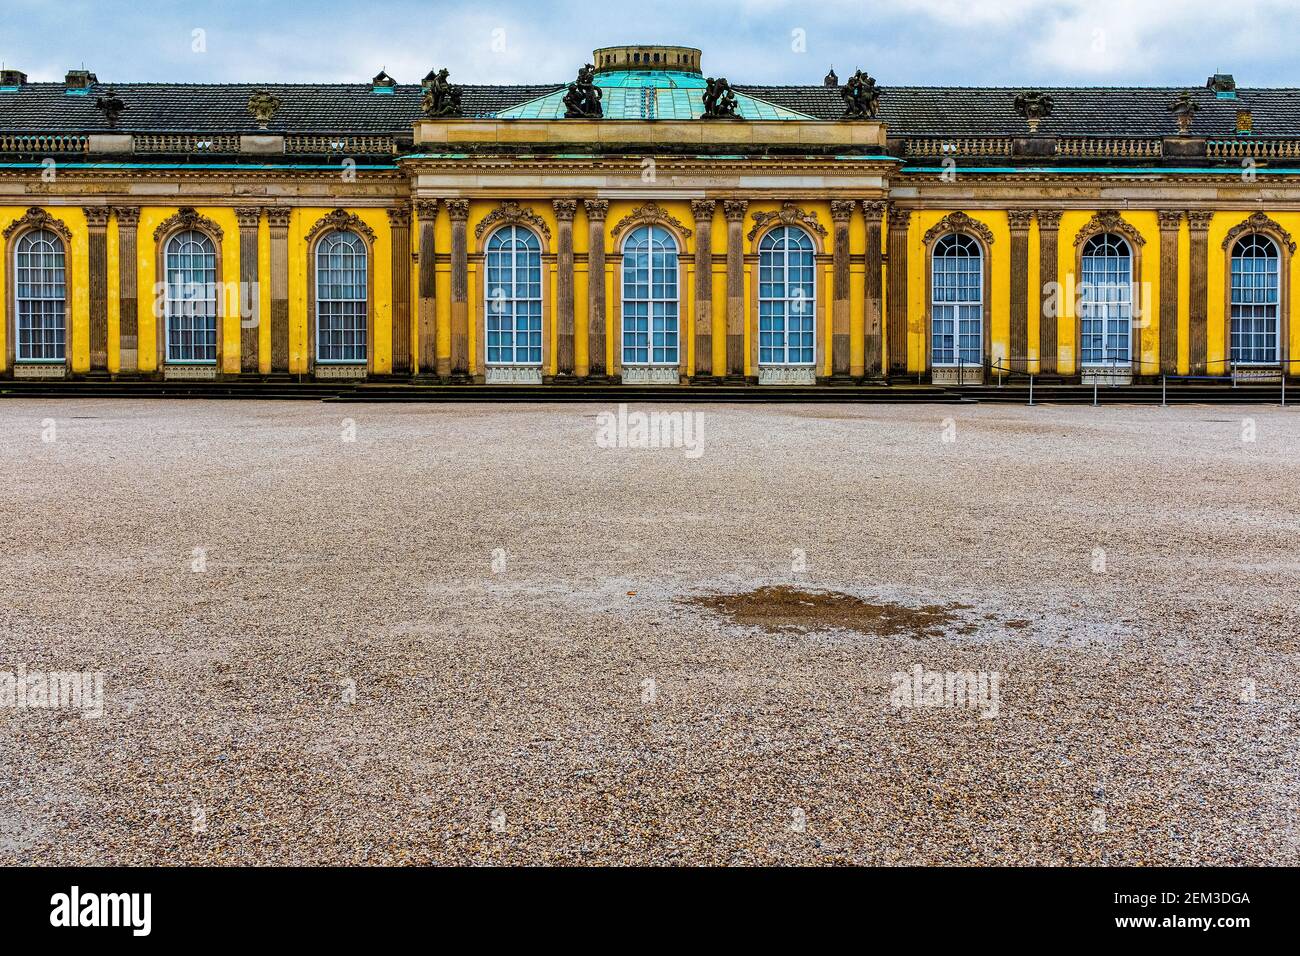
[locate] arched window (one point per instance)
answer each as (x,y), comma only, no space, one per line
(342,288)
(1255,297)
(787,306)
(1106,302)
(514,297)
(40,298)
(957,301)
(191,264)
(650,308)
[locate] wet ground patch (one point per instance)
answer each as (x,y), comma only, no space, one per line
(783,609)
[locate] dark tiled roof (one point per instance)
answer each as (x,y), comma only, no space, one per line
(163,107)
(968,111)
(907,110)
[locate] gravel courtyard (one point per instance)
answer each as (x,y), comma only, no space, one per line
(336,633)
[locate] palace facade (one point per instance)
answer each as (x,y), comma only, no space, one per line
(646,223)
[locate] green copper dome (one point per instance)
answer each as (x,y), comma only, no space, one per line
(650,95)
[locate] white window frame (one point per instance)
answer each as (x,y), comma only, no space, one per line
(1106,298)
(956,302)
(523,313)
(339,313)
(191,297)
(658,295)
(46,311)
(1242,300)
(778,304)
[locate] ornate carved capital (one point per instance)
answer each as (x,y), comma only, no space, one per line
(703,209)
(1169,219)
(1198,220)
(789,215)
(458,209)
(426,209)
(127,216)
(508,213)
(596,208)
(648,215)
(734,209)
(842,210)
(960,222)
(1109,220)
(35,218)
(899,217)
(564,209)
(1259,222)
(340,220)
(189,218)
(399,217)
(278,216)
(875,209)
(248,216)
(1019,219)
(97,216)
(1048,218)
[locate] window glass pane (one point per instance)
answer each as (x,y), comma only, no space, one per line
(190,260)
(650,316)
(956,301)
(342,291)
(787,298)
(40,298)
(513,297)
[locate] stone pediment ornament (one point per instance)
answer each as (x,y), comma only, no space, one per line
(959,222)
(649,215)
(340,220)
(511,212)
(1259,222)
(36,218)
(263,105)
(790,215)
(1109,220)
(1034,107)
(187,217)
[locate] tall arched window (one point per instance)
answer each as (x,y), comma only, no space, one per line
(1255,297)
(514,297)
(787,306)
(342,289)
(957,302)
(650,309)
(1106,302)
(40,298)
(191,264)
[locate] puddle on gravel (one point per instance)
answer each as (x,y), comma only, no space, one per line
(786,609)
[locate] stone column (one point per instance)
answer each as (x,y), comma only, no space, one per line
(596,367)
(734,210)
(427,211)
(458,209)
(841,214)
(564,318)
(97,247)
(278,219)
(1198,224)
(248,218)
(1170,222)
(874,210)
(703,210)
(128,218)
(897,320)
(1019,220)
(1049,223)
(399,230)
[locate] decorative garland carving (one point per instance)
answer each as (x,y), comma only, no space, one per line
(790,215)
(340,220)
(188,218)
(959,222)
(651,214)
(1258,222)
(510,212)
(1109,220)
(37,218)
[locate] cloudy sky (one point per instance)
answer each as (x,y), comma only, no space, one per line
(939,42)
